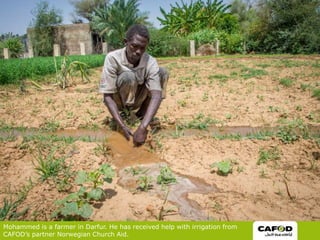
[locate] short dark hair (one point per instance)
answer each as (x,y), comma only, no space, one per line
(137,29)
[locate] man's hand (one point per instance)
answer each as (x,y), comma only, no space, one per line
(126,132)
(140,135)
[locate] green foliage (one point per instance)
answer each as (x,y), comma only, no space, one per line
(204,36)
(266,155)
(49,166)
(292,131)
(145,183)
(287,82)
(68,70)
(166,176)
(77,205)
(164,44)
(184,18)
(223,168)
(200,122)
(229,42)
(14,45)
(113,20)
(287,27)
(13,70)
(42,34)
(316,93)
(11,209)
(85,8)
(247,73)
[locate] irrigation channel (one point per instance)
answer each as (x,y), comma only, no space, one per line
(126,157)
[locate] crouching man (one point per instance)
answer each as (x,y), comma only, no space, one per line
(133,81)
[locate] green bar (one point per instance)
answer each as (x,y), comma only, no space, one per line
(125,230)
(139,230)
(308,230)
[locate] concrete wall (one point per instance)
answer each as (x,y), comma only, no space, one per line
(70,38)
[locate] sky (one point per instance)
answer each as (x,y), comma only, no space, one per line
(16,16)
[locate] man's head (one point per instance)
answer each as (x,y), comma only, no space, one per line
(137,39)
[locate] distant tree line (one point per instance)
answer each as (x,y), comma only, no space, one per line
(261,26)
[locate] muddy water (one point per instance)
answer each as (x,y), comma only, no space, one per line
(126,154)
(175,193)
(126,157)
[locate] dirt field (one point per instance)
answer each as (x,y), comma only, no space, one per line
(241,136)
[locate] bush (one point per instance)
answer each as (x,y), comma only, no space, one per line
(14,45)
(163,44)
(229,43)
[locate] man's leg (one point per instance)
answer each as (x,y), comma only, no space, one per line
(164,77)
(127,88)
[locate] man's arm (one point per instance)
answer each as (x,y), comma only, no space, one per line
(114,111)
(140,134)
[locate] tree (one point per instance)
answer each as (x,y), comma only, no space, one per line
(288,26)
(182,19)
(42,34)
(112,21)
(187,18)
(85,8)
(246,16)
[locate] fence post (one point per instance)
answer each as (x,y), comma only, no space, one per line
(30,52)
(192,48)
(217,47)
(6,53)
(82,48)
(56,50)
(104,48)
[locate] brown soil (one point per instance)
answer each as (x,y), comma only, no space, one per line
(228,93)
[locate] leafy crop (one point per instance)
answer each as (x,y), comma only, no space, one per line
(14,70)
(292,131)
(316,93)
(166,176)
(77,205)
(268,154)
(68,70)
(145,183)
(223,168)
(200,121)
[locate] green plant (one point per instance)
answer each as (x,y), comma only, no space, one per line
(42,33)
(222,168)
(219,77)
(50,125)
(287,82)
(145,183)
(316,93)
(247,73)
(49,166)
(14,45)
(136,170)
(103,149)
(11,209)
(305,86)
(200,121)
(166,176)
(292,131)
(266,155)
(77,205)
(67,70)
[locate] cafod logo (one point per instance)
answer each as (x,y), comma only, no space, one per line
(275,230)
